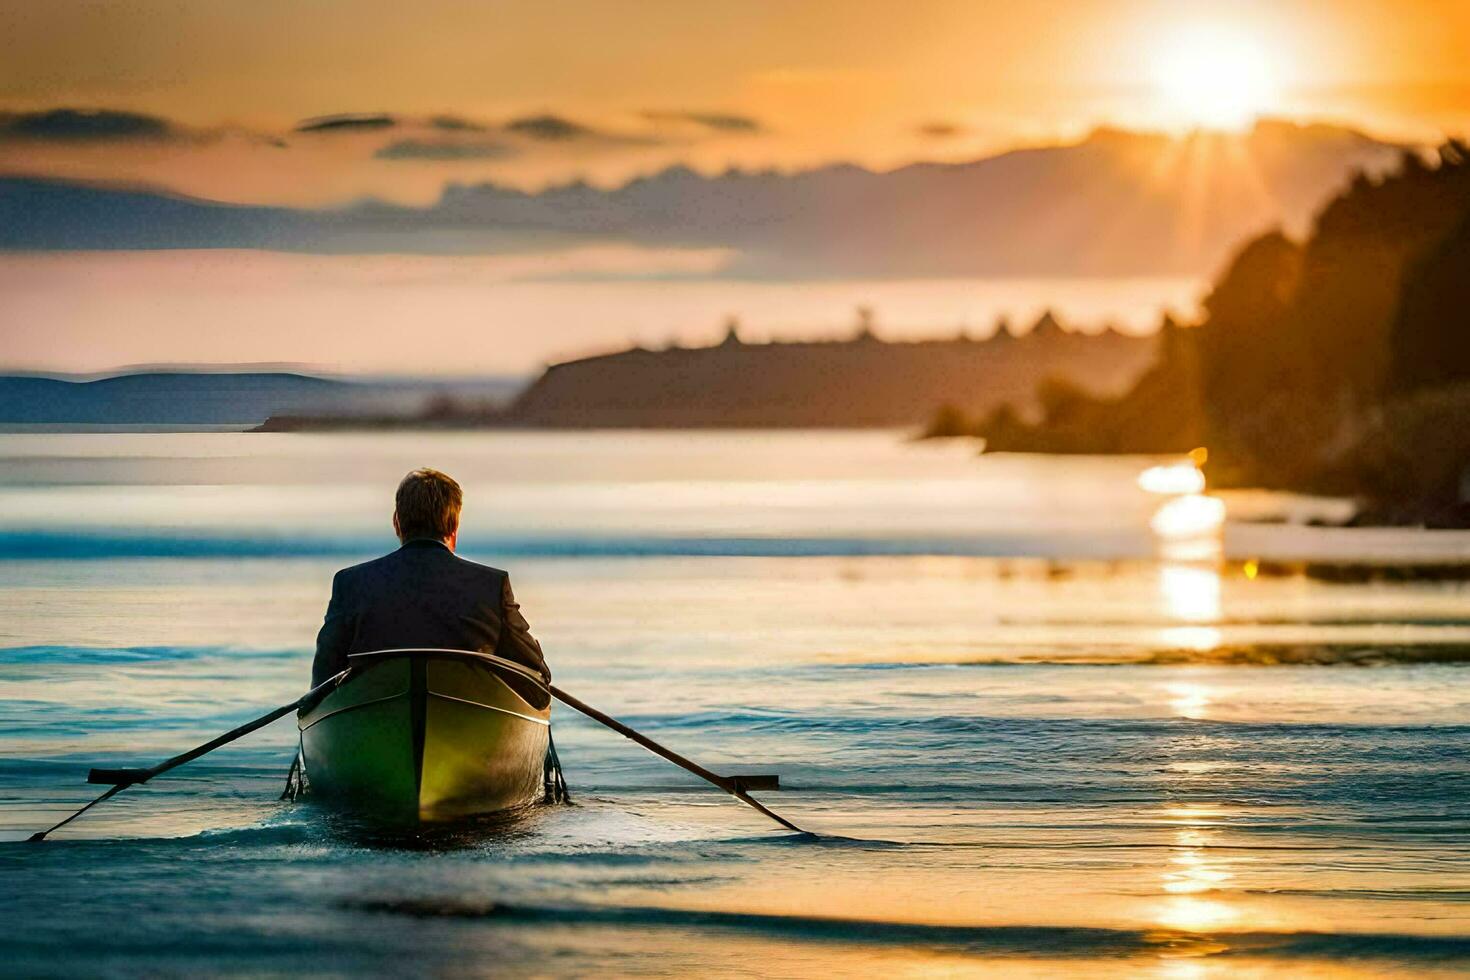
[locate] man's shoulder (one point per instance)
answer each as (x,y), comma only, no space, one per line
(365,568)
(486,571)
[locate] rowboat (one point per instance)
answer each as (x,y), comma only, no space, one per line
(426,735)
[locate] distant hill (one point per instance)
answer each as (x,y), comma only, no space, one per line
(1117,203)
(863,382)
(220,397)
(1338,363)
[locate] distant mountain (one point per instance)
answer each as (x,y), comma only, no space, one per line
(223,398)
(159,398)
(862,382)
(1117,203)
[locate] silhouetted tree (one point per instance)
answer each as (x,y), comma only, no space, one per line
(1431,335)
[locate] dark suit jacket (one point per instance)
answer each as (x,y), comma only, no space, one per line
(423,595)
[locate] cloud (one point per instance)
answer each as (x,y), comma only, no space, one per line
(940,130)
(455,124)
(724,122)
(85,125)
(347,123)
(415,149)
(548,127)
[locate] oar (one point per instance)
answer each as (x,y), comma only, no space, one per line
(121,779)
(736,786)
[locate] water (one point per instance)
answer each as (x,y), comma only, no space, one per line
(1025,740)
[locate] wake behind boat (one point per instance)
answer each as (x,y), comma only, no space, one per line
(426,735)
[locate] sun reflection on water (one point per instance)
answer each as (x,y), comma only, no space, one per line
(1193,872)
(1172,478)
(1190,592)
(1189,528)
(1189,700)
(1191,914)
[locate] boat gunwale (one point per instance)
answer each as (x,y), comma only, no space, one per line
(519,668)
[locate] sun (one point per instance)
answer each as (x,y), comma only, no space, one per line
(1214,79)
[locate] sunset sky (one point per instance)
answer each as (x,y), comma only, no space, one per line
(222,96)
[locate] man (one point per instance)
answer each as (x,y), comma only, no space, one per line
(423,594)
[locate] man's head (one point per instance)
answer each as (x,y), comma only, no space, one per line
(427,506)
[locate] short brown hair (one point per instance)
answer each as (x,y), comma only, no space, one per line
(428,505)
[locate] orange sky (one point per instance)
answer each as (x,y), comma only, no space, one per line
(759,83)
(879,83)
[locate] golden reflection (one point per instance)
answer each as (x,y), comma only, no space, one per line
(1192,837)
(1190,524)
(1190,516)
(1175,478)
(1189,700)
(1196,836)
(1193,872)
(1191,914)
(1190,592)
(1198,638)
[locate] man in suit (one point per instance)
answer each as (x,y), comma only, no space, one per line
(423,594)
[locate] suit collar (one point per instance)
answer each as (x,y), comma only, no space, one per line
(424,543)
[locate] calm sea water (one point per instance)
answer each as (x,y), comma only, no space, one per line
(1036,726)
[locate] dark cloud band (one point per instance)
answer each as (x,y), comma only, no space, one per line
(413,149)
(723,122)
(347,123)
(85,125)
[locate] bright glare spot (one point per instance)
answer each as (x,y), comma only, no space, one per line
(1173,479)
(1195,767)
(1213,78)
(1199,638)
(1190,592)
(1193,837)
(1189,701)
(1191,914)
(1192,516)
(1252,568)
(1191,880)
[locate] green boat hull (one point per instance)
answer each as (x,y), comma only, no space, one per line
(426,736)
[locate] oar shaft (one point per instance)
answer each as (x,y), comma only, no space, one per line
(725,783)
(643,740)
(40,835)
(121,779)
(127,777)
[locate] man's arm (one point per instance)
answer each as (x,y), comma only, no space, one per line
(516,642)
(334,638)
